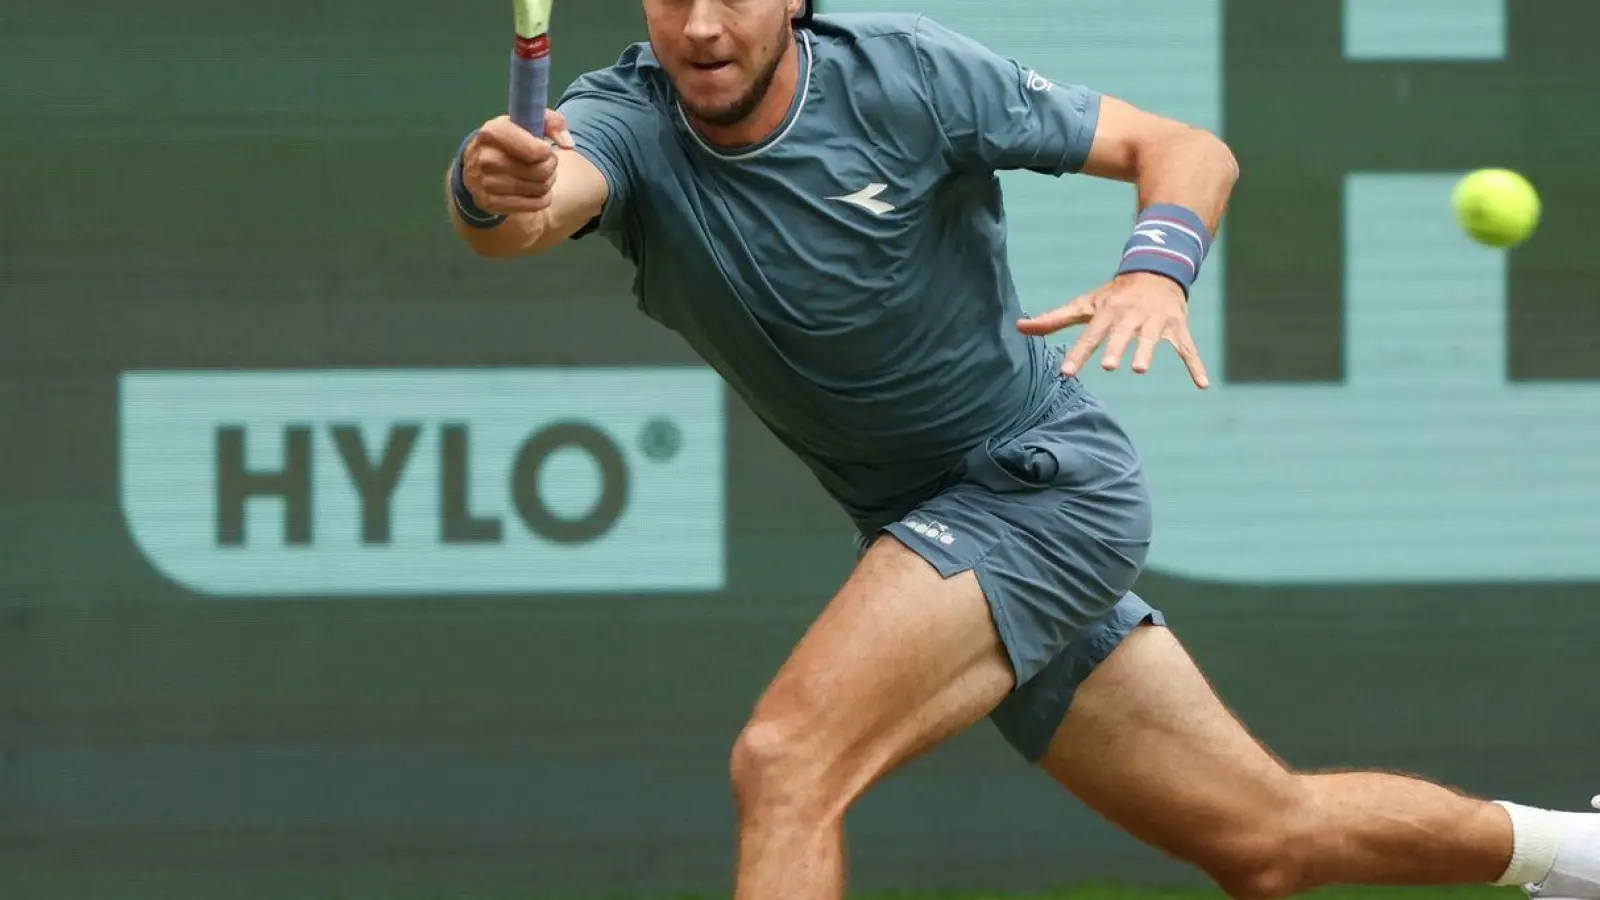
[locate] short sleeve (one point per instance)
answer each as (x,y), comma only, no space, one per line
(608,116)
(998,114)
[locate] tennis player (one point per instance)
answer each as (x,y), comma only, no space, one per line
(812,203)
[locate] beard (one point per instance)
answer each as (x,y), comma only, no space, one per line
(742,107)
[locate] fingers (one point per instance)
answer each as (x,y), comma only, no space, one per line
(533,174)
(510,171)
(1121,333)
(1149,340)
(555,128)
(1077,312)
(504,194)
(1119,321)
(1190,355)
(510,139)
(1151,334)
(507,186)
(1087,342)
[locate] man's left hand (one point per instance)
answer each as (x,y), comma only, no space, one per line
(1139,305)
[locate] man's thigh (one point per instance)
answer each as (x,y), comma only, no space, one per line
(1054,524)
(901,659)
(1150,746)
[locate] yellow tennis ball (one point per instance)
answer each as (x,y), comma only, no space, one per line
(1497,207)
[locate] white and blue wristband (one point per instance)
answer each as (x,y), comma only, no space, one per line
(1168,240)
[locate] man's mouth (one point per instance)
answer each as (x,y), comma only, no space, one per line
(715,66)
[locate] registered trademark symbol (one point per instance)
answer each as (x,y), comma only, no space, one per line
(660,439)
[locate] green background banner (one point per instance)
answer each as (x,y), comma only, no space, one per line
(1378,532)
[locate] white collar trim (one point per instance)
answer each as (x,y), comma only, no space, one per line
(764,146)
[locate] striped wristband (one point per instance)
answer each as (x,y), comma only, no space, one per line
(470,212)
(1168,240)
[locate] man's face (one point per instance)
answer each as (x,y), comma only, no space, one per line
(720,54)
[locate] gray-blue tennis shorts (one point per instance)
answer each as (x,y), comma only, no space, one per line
(1056,523)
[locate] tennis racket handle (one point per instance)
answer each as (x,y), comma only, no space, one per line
(530,83)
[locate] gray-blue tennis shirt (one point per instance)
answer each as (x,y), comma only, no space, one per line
(847,276)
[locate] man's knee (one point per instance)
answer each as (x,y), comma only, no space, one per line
(759,753)
(1269,857)
(776,764)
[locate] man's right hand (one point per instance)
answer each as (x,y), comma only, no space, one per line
(508,170)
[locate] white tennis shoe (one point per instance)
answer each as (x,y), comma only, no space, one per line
(1576,873)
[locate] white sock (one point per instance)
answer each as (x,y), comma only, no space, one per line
(1536,838)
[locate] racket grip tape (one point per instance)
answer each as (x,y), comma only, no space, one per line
(530,82)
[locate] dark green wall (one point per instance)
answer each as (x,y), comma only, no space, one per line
(199,188)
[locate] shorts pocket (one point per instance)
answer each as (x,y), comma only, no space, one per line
(1035,462)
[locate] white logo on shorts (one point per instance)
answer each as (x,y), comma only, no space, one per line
(933,531)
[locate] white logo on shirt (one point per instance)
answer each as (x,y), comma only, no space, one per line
(864,199)
(1037,82)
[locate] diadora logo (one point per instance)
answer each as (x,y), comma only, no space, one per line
(866,198)
(426,481)
(933,531)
